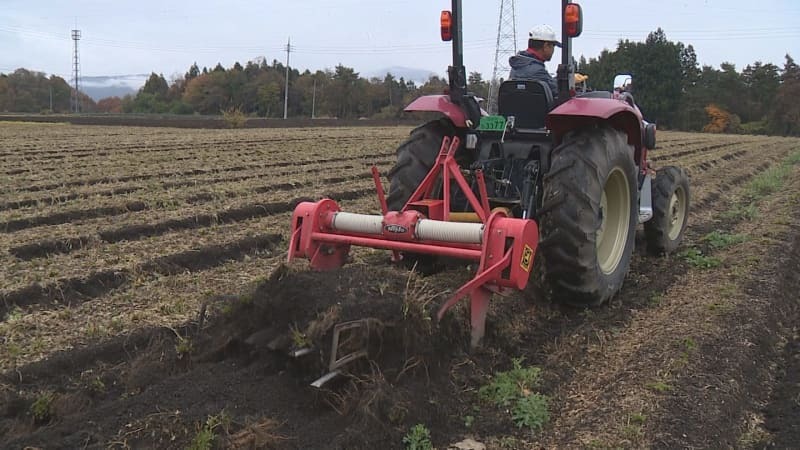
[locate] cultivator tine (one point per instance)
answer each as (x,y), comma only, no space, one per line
(299,353)
(350,338)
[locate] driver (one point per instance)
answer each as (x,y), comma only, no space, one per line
(529,64)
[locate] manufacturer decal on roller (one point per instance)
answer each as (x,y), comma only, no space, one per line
(393,228)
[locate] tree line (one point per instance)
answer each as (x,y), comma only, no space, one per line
(671,88)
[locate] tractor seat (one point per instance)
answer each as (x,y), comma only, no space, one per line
(528,101)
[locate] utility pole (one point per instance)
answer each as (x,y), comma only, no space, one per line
(314,100)
(286,94)
(506,47)
(76,99)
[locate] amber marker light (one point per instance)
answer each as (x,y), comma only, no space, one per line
(573,19)
(446,21)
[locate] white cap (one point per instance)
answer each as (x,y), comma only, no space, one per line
(544,33)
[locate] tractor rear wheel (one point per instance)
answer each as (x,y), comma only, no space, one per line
(664,232)
(415,158)
(589,216)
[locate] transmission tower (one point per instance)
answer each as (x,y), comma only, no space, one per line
(76,98)
(506,47)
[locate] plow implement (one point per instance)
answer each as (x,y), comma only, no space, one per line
(504,247)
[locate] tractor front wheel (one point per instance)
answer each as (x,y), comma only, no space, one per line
(664,232)
(589,216)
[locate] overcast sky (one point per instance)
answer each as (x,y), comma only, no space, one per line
(141,36)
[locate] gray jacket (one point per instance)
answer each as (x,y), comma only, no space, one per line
(526,67)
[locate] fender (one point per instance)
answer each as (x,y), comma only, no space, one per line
(441,104)
(580,112)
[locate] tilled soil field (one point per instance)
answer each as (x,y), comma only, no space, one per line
(145,303)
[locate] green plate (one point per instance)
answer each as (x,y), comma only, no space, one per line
(492,123)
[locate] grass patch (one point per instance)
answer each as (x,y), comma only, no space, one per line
(720,239)
(514,389)
(741,212)
(793,159)
(42,408)
(14,315)
(768,182)
(418,438)
(696,258)
(659,386)
(657,298)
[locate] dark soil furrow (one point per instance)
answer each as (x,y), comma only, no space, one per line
(42,249)
(181,145)
(27,203)
(70,216)
(253,211)
(675,155)
(71,291)
(193,172)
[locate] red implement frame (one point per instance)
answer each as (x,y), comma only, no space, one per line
(504,246)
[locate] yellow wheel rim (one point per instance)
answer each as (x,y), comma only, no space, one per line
(615,217)
(677,213)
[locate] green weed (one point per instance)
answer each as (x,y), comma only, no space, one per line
(637,418)
(42,407)
(697,259)
(720,239)
(207,434)
(299,339)
(183,347)
(418,438)
(509,442)
(514,389)
(689,344)
(468,421)
(531,412)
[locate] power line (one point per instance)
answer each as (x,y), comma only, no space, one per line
(505,47)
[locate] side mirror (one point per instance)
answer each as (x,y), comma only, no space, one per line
(623,82)
(650,136)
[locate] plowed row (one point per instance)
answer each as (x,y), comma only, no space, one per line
(112,235)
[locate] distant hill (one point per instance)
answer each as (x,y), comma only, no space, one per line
(419,76)
(98,87)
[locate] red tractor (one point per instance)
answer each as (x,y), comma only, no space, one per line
(567,175)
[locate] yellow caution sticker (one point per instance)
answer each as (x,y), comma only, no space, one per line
(527,258)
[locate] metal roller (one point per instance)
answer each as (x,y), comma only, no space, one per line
(462,233)
(426,229)
(357,223)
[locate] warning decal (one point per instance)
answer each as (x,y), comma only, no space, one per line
(527,258)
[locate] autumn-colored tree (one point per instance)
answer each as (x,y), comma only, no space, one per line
(111,105)
(721,121)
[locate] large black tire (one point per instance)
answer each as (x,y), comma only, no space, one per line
(415,157)
(589,216)
(664,232)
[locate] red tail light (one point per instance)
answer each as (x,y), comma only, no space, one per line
(447,25)
(573,19)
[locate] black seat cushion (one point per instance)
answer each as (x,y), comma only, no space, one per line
(527,100)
